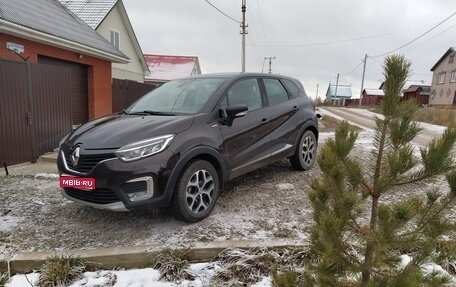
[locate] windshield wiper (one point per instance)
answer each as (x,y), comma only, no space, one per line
(152,113)
(158,113)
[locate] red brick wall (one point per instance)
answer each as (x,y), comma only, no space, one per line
(99,71)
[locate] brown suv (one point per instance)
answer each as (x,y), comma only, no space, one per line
(178,144)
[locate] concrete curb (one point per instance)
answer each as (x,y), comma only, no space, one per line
(132,256)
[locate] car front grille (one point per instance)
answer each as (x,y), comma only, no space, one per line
(87,162)
(98,196)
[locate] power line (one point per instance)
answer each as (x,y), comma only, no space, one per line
(417,38)
(333,42)
(354,69)
(375,60)
(223,13)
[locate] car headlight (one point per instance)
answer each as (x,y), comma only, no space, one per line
(145,148)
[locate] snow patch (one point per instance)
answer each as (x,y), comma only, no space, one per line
(21,280)
(8,222)
(46,175)
(285,186)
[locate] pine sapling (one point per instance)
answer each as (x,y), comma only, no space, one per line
(355,247)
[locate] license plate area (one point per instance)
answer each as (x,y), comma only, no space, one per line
(84,183)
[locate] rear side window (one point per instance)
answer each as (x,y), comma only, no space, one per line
(245,92)
(292,88)
(276,92)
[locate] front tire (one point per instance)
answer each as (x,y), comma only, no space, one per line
(197,191)
(306,151)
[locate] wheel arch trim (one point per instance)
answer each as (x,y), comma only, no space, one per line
(202,152)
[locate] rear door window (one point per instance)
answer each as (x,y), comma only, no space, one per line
(275,91)
(292,88)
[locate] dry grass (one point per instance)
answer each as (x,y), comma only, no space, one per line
(172,264)
(443,117)
(3,279)
(60,271)
(244,267)
(286,278)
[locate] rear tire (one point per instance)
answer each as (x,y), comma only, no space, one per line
(306,152)
(197,191)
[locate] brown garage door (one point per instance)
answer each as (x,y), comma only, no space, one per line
(79,87)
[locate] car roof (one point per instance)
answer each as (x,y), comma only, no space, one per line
(238,75)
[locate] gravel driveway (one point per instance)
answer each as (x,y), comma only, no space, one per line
(270,204)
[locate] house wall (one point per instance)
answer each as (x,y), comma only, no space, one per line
(130,71)
(443,94)
(99,71)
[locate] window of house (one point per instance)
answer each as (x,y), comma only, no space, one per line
(441,78)
(453,76)
(114,37)
(451,60)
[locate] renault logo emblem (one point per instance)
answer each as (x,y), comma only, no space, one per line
(75,156)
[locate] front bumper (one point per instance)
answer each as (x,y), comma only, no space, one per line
(120,186)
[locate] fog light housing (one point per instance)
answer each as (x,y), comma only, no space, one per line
(140,188)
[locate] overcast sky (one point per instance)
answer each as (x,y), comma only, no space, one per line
(312,40)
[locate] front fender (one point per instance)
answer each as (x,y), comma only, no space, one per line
(202,152)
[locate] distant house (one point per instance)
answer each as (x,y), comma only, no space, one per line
(43,31)
(371,97)
(166,67)
(338,94)
(109,18)
(419,93)
(443,87)
(417,90)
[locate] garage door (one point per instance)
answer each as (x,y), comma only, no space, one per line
(79,87)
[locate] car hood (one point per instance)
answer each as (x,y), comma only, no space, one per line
(115,131)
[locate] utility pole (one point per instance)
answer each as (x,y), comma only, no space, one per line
(337,85)
(316,97)
(362,80)
(243,32)
(270,63)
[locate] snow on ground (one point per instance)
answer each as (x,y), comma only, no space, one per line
(147,277)
(46,175)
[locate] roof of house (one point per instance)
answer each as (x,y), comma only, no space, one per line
(424,90)
(448,52)
(50,22)
(92,12)
(409,83)
(413,89)
(374,92)
(342,91)
(167,67)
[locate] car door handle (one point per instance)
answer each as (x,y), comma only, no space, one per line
(263,120)
(295,108)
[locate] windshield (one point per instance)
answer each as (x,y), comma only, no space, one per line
(186,96)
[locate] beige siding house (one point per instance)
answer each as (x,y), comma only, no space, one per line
(109,18)
(443,87)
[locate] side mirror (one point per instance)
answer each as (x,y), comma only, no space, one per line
(233,112)
(318,115)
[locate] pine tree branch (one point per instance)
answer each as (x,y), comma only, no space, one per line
(433,215)
(362,181)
